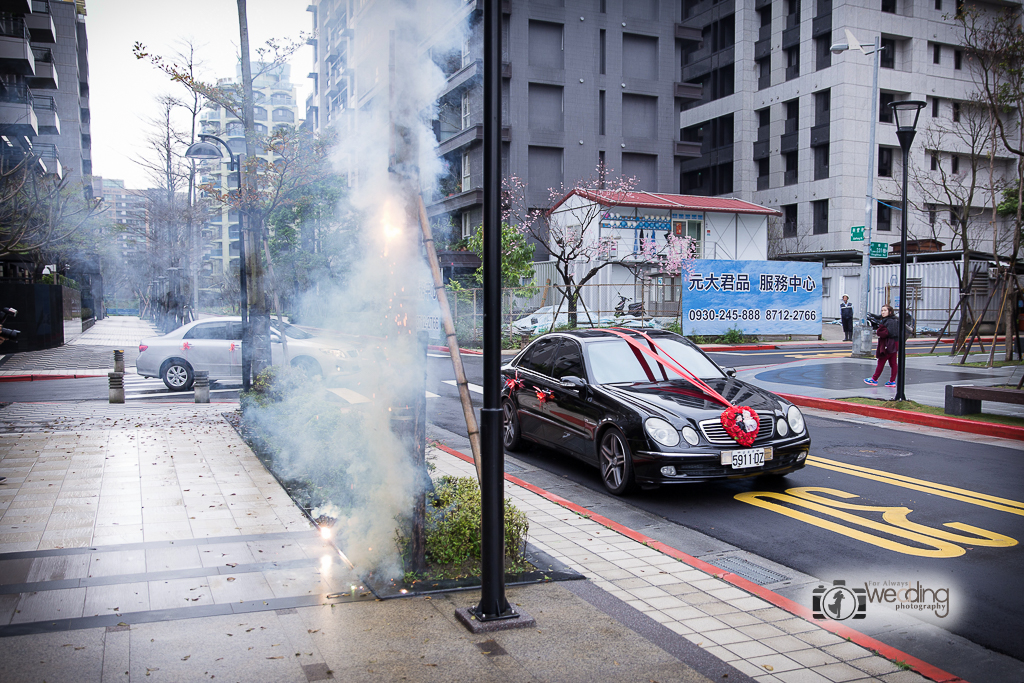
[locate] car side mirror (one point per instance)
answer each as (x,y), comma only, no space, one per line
(730,371)
(572,382)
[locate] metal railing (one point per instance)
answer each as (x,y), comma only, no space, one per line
(15,93)
(14,27)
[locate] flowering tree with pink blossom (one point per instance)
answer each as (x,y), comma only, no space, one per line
(575,241)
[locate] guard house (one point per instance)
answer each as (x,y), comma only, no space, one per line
(722,228)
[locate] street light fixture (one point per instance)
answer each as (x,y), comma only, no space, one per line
(906,114)
(862,331)
(206,150)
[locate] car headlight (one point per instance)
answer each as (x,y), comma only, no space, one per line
(690,434)
(796,419)
(661,431)
(782,427)
(338,353)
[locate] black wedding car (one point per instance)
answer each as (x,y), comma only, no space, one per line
(594,395)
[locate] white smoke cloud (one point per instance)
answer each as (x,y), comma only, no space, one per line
(355,466)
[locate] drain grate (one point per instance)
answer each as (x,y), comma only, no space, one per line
(750,571)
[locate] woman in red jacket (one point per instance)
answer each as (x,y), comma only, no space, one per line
(888,346)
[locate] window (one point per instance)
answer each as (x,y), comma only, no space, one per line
(936,54)
(935,162)
(280,98)
(602,51)
(821,155)
(764,73)
(208,331)
(568,361)
(822,53)
(933,213)
(826,287)
(259,113)
(954,164)
(956,112)
(935,107)
(789,220)
(938,5)
(887,58)
(822,107)
(884,111)
(763,171)
(889,6)
(792,160)
(466,117)
(539,358)
(284,115)
(820,217)
(958,59)
(792,63)
(600,112)
(466,53)
(467,225)
(465,172)
(884,162)
(884,220)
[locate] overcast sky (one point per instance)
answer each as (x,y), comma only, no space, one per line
(123,90)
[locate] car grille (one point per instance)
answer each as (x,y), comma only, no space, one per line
(716,434)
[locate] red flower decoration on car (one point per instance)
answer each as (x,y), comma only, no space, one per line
(185,346)
(544,395)
(741,423)
(232,346)
(513,383)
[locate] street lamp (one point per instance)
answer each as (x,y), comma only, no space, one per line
(862,331)
(206,150)
(906,113)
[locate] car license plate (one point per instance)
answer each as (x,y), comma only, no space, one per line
(749,457)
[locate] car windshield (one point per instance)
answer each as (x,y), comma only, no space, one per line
(615,361)
(292,331)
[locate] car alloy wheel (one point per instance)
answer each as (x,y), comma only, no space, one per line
(510,435)
(178,376)
(616,463)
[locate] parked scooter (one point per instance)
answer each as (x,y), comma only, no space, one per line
(634,309)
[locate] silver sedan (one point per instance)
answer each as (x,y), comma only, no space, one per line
(215,345)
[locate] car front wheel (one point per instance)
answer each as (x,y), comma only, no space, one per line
(177,375)
(511,437)
(616,463)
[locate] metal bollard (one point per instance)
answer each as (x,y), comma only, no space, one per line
(202,386)
(119,361)
(116,384)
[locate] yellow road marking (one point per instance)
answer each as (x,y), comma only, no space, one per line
(982,499)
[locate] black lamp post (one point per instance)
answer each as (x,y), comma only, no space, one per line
(207,150)
(906,114)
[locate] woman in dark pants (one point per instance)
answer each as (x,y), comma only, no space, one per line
(846,317)
(888,346)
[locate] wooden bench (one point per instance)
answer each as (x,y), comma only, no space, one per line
(967,400)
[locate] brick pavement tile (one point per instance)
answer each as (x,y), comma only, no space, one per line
(820,638)
(784,643)
(718,608)
(736,619)
(678,588)
(665,602)
(748,649)
(648,591)
(722,654)
(845,651)
(726,636)
(681,629)
(839,672)
(702,624)
(874,665)
(796,625)
(778,663)
(801,676)
(757,607)
(811,656)
(685,615)
(761,631)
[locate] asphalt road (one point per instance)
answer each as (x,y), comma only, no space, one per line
(940,482)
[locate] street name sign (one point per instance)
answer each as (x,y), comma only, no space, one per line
(879,250)
(857,233)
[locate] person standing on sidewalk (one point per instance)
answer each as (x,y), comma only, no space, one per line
(846,317)
(888,346)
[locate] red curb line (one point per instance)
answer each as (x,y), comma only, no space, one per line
(444,349)
(924,419)
(39,378)
(892,654)
(712,348)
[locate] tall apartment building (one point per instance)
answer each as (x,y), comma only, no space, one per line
(44,85)
(129,210)
(275,107)
(739,98)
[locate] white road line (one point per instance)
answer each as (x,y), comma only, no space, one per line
(476,388)
(431,394)
(175,393)
(349,395)
(438,355)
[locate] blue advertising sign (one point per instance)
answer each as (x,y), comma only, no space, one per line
(756,297)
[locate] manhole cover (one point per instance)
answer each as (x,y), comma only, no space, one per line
(866,451)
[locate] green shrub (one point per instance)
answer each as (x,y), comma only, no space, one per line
(453,528)
(733,335)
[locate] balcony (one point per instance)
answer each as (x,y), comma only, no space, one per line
(764,32)
(791,37)
(792,72)
(820,135)
(791,178)
(762,49)
(17,117)
(688,33)
(40,25)
(690,150)
(790,142)
(15,52)
(762,149)
(47,154)
(16,6)
(763,182)
(463,77)
(46,113)
(821,26)
(793,20)
(689,91)
(45,77)
(456,202)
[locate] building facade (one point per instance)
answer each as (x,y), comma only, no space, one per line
(275,107)
(44,85)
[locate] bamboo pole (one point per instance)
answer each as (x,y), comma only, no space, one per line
(453,343)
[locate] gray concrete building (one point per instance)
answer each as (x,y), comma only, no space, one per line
(739,98)
(44,85)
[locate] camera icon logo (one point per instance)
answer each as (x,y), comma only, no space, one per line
(839,602)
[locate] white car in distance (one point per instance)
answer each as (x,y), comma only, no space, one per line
(215,345)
